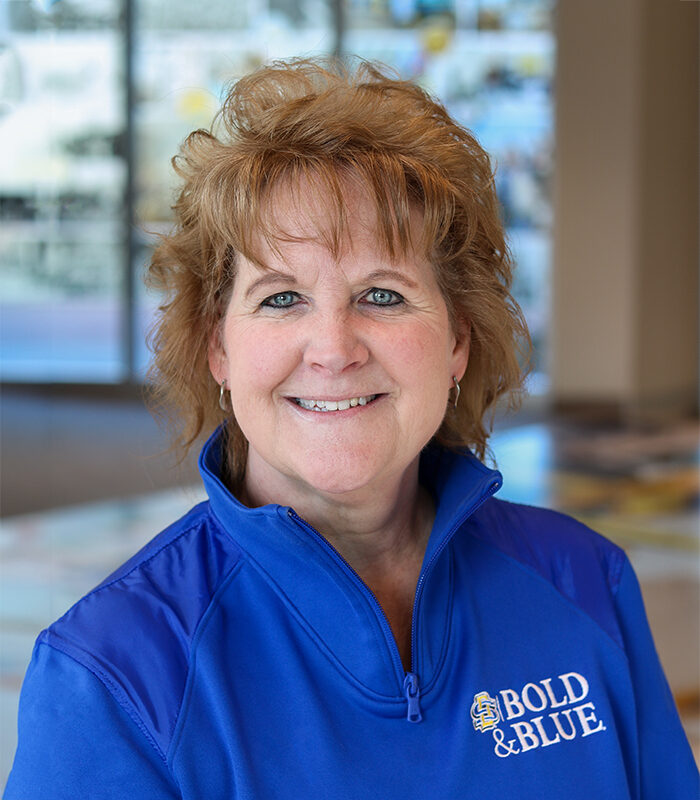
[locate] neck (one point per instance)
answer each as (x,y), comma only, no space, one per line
(381,531)
(374,528)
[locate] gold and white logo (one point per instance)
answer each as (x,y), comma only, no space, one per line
(485,712)
(541,714)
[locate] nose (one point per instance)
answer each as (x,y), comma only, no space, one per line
(335,342)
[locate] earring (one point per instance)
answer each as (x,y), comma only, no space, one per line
(457,391)
(222,396)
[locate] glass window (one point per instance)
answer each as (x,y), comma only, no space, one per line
(82,169)
(491,62)
(184,58)
(62,191)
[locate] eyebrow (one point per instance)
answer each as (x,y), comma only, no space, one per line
(270,276)
(273,276)
(393,274)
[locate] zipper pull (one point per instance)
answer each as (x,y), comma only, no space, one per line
(412,691)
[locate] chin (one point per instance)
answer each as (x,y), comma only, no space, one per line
(341,475)
(339,485)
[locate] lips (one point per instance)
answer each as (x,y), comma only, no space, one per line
(334,405)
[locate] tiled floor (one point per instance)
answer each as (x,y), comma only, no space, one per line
(640,490)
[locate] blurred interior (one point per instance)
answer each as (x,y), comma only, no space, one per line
(590,111)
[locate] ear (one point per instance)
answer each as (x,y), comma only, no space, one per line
(218,363)
(460,350)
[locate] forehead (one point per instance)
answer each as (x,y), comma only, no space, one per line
(300,248)
(339,214)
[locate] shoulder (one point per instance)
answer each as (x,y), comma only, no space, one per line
(546,540)
(584,567)
(135,630)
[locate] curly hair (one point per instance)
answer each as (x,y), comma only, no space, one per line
(324,121)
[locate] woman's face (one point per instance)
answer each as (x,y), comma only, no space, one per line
(339,370)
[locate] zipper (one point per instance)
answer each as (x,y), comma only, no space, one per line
(411,689)
(384,622)
(411,681)
(494,486)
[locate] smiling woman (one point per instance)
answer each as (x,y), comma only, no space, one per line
(339,314)
(271,173)
(325,336)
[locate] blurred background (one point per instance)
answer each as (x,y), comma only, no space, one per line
(590,111)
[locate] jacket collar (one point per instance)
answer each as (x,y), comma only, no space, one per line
(446,474)
(459,482)
(301,569)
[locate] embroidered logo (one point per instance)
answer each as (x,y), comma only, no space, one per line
(539,715)
(485,712)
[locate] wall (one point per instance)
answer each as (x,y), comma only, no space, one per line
(625,321)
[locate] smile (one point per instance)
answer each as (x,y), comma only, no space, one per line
(334,405)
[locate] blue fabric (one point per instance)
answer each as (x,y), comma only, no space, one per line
(238,656)
(75,741)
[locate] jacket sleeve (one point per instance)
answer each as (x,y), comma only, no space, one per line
(666,764)
(75,740)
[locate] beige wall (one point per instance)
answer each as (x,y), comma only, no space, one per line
(625,321)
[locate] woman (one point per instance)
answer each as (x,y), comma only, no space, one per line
(351,614)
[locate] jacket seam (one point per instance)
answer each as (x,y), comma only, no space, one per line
(214,601)
(85,659)
(178,722)
(534,572)
(114,690)
(311,632)
(381,640)
(616,571)
(125,575)
(174,734)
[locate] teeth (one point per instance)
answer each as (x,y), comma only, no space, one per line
(334,405)
(307,404)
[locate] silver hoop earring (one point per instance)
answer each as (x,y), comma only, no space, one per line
(222,396)
(457,391)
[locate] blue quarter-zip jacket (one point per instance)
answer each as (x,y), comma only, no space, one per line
(238,656)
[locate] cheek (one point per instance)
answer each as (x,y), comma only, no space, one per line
(422,348)
(258,358)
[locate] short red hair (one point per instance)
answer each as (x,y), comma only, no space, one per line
(317,120)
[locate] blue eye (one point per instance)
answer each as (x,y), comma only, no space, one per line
(281,300)
(383,297)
